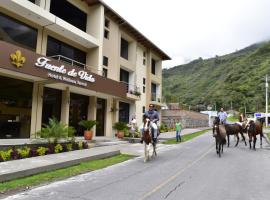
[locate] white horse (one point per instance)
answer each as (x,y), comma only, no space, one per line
(149,144)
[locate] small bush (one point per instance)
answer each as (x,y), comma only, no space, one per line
(51,149)
(85,145)
(58,148)
(15,154)
(33,152)
(69,147)
(5,155)
(75,146)
(80,145)
(24,153)
(42,151)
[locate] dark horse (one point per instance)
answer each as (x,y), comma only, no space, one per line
(219,133)
(148,139)
(254,128)
(234,129)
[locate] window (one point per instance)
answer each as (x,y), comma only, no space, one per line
(69,13)
(124,76)
(153,92)
(143,89)
(105,61)
(144,81)
(107,23)
(144,58)
(17,33)
(105,72)
(123,112)
(143,109)
(106,34)
(124,49)
(153,66)
(56,47)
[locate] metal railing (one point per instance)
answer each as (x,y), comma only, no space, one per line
(132,89)
(156,97)
(77,64)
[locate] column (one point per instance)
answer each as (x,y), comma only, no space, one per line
(92,111)
(65,106)
(36,113)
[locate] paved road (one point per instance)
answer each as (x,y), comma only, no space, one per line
(187,171)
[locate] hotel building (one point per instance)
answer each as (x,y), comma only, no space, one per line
(74,60)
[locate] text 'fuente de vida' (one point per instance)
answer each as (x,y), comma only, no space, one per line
(61,70)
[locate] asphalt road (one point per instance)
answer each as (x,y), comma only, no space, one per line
(188,171)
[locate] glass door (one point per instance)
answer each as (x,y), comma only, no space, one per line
(101,109)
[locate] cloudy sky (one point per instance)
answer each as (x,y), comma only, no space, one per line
(188,29)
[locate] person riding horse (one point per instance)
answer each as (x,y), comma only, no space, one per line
(153,115)
(222,115)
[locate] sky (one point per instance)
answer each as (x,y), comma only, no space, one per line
(188,29)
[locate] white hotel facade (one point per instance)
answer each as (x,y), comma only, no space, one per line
(74,60)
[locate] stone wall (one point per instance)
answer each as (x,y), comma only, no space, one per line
(189,119)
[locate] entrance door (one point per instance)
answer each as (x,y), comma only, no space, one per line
(78,111)
(52,99)
(101,108)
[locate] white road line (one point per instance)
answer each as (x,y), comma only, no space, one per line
(161,185)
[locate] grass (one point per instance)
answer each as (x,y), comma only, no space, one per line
(61,173)
(186,137)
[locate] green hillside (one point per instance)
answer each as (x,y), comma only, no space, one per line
(236,79)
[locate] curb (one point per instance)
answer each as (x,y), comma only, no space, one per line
(6,176)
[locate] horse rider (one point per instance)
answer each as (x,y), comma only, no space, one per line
(153,115)
(222,115)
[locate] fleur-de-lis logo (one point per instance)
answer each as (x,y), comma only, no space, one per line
(17,59)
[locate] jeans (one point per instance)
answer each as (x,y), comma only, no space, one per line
(154,127)
(178,137)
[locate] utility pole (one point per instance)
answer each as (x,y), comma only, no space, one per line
(266,102)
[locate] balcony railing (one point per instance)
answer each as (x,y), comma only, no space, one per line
(132,89)
(156,97)
(77,64)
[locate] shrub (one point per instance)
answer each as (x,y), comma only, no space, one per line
(51,149)
(58,148)
(41,151)
(80,145)
(126,133)
(85,145)
(88,124)
(15,154)
(137,134)
(24,153)
(75,146)
(120,126)
(33,152)
(163,128)
(56,130)
(5,155)
(69,147)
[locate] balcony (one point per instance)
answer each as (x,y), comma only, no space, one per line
(157,99)
(133,92)
(42,17)
(77,64)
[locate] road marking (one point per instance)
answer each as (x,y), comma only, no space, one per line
(161,185)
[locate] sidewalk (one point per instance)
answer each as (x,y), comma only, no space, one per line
(102,147)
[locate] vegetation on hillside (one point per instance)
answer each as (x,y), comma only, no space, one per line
(235,80)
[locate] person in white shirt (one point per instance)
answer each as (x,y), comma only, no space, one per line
(222,115)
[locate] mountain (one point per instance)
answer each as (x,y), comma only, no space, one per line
(234,80)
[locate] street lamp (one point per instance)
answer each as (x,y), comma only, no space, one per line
(266,102)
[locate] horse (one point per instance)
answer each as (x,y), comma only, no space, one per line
(219,133)
(148,140)
(254,128)
(234,129)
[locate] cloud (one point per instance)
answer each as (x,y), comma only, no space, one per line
(188,29)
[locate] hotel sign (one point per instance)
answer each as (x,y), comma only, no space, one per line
(64,74)
(39,67)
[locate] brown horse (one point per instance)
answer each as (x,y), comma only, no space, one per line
(234,129)
(219,132)
(253,129)
(148,140)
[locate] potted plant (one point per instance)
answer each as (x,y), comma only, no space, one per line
(120,127)
(88,125)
